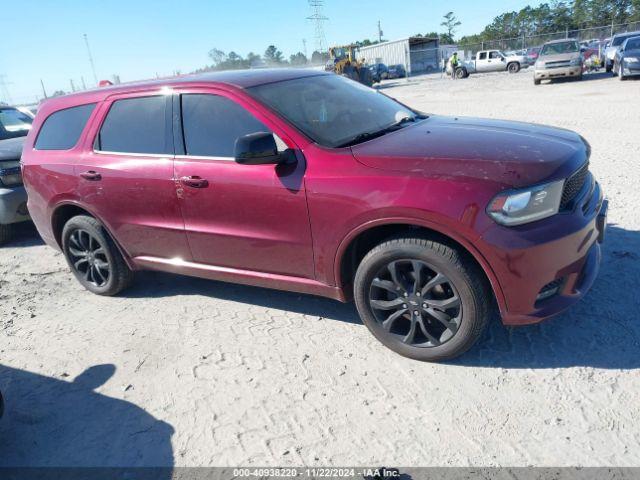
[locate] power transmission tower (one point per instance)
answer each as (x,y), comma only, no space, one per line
(318,18)
(4,90)
(93,67)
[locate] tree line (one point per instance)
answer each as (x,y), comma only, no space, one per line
(272,57)
(557,16)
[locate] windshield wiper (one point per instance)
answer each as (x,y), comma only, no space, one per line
(361,137)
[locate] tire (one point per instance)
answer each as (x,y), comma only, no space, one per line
(6,232)
(464,284)
(513,67)
(461,73)
(620,73)
(536,81)
(87,247)
(608,68)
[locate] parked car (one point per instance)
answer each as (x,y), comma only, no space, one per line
(396,71)
(14,126)
(491,61)
(559,59)
(532,55)
(306,181)
(616,42)
(626,63)
(379,71)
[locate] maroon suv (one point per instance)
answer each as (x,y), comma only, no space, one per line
(309,182)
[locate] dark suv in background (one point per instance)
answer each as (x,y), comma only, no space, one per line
(310,182)
(14,126)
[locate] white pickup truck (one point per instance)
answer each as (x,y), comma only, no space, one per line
(490,61)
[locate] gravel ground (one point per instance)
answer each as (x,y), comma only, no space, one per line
(182,371)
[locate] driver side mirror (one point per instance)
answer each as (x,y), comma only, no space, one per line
(257,149)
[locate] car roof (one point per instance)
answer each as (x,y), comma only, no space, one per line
(233,78)
(626,34)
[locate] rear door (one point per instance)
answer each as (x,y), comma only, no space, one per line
(126,175)
(249,217)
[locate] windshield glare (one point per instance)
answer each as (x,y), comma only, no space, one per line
(331,109)
(13,123)
(560,48)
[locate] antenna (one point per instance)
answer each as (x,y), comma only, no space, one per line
(93,67)
(318,18)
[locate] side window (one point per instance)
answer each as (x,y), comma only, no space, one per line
(61,130)
(136,125)
(211,125)
(494,55)
(482,56)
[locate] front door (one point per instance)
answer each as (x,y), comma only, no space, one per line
(248,217)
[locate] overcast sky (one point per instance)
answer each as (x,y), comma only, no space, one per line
(141,38)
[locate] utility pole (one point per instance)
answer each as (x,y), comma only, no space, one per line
(73,87)
(44,92)
(93,67)
(380,33)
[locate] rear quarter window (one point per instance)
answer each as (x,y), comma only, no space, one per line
(61,130)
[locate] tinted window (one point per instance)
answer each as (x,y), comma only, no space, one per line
(136,125)
(212,124)
(61,130)
(483,56)
(560,48)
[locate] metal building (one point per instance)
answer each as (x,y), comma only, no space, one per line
(417,54)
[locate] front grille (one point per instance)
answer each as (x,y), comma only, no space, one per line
(561,64)
(573,185)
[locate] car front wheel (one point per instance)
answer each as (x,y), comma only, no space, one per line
(93,257)
(422,299)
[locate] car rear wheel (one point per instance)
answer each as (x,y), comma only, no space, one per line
(461,73)
(422,299)
(6,231)
(93,257)
(513,67)
(536,81)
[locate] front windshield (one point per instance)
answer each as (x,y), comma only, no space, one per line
(330,109)
(633,44)
(13,123)
(560,48)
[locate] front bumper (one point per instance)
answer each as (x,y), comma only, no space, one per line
(13,205)
(562,72)
(563,250)
(631,69)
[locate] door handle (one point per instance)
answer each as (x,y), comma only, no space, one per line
(194,182)
(91,175)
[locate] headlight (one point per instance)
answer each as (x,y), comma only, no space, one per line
(10,174)
(539,64)
(631,59)
(515,207)
(575,61)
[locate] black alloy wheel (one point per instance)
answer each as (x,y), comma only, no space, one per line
(415,303)
(89,258)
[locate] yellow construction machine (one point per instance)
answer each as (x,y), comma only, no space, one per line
(342,60)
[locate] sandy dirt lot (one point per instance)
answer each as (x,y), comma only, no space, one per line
(181,371)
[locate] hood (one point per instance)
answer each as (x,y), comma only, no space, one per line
(11,149)
(513,154)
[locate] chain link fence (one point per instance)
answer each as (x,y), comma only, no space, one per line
(518,44)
